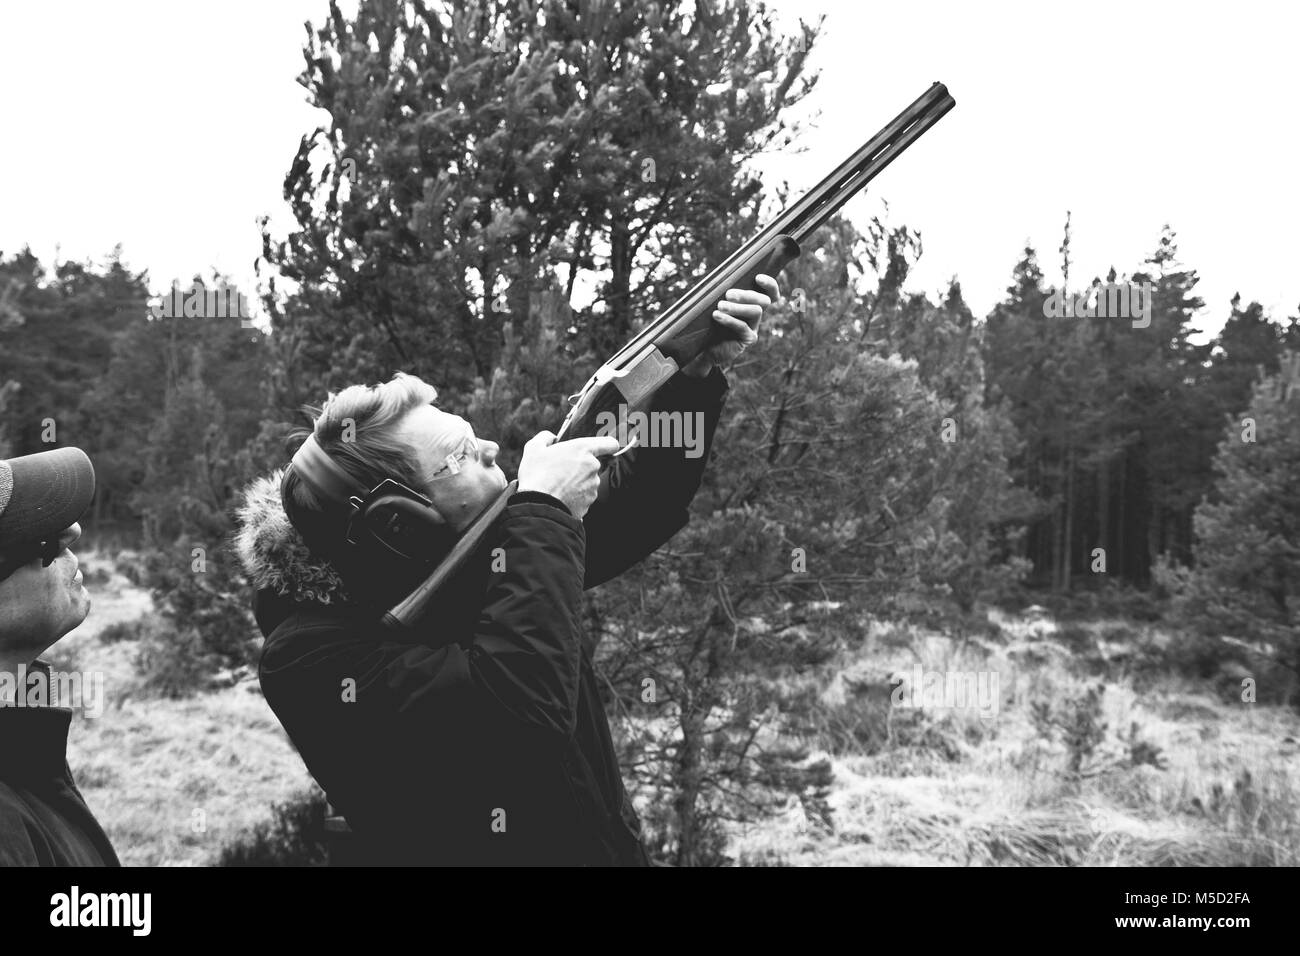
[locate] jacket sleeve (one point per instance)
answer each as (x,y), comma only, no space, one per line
(649,490)
(16,847)
(522,657)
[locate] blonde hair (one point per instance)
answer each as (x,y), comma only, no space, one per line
(357,429)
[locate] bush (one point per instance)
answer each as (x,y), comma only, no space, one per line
(294,836)
(1078,722)
(1262,818)
(96,576)
(120,631)
(210,600)
(173,663)
(131,566)
(1092,600)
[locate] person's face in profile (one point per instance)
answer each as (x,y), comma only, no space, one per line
(38,603)
(461,474)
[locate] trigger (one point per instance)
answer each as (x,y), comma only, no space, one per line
(636,440)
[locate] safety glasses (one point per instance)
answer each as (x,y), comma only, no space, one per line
(456,460)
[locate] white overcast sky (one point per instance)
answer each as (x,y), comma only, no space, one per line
(168,127)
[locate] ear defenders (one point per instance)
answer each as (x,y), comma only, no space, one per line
(387,521)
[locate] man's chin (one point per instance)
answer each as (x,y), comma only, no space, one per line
(80,605)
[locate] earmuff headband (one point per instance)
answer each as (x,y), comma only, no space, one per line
(324,476)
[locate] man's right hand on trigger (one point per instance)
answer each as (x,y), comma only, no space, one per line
(567,470)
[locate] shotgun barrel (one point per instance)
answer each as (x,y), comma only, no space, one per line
(685,329)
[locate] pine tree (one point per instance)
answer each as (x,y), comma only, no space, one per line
(831,495)
(478,155)
(57,329)
(1245,583)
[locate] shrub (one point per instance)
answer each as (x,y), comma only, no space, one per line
(120,631)
(131,566)
(212,602)
(1076,720)
(1261,818)
(1141,750)
(96,576)
(294,836)
(173,663)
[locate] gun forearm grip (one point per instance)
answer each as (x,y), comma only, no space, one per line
(783,252)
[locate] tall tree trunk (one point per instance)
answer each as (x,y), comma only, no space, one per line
(619,302)
(688,771)
(1103,509)
(1058,528)
(521,288)
(1069,519)
(1120,543)
(1155,534)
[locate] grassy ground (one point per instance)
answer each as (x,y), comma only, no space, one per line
(1176,777)
(171,781)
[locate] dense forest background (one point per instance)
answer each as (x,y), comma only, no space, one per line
(480,211)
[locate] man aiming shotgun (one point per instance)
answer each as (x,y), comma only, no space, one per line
(421,612)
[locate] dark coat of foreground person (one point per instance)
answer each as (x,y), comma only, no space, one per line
(44,821)
(483,740)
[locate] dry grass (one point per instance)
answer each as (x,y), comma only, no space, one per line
(1226,794)
(911,788)
(171,781)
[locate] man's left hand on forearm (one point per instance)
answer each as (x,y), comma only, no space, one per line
(733,317)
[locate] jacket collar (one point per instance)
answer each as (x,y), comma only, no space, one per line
(33,740)
(288,578)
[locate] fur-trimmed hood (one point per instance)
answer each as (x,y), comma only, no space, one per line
(274,555)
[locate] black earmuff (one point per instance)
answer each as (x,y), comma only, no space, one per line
(401,521)
(387,521)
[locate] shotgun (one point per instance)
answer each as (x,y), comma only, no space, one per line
(685,329)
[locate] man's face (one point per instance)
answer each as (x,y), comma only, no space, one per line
(461,491)
(38,605)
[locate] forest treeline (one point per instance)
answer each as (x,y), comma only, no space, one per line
(1114,428)
(499,198)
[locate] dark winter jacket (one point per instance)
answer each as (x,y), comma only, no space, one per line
(43,819)
(482,740)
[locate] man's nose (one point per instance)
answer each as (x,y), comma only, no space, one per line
(489,453)
(70,535)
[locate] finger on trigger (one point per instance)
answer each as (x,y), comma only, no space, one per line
(598,444)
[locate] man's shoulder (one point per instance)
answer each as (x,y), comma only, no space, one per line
(310,628)
(11,804)
(17,822)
